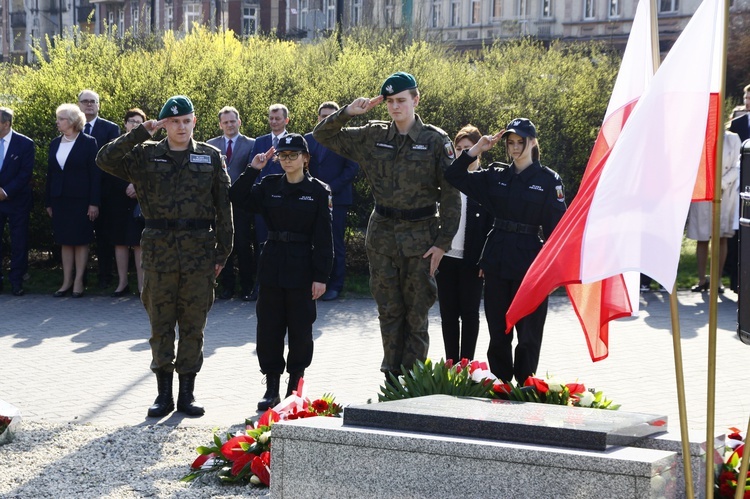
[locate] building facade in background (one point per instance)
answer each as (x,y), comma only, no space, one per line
(462,23)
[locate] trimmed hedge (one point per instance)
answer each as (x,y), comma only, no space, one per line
(563,88)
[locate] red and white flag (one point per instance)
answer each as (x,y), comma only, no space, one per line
(630,211)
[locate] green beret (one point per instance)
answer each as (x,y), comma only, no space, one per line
(396,83)
(178,105)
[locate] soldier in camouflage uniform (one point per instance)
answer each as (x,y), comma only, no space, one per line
(183,191)
(404,162)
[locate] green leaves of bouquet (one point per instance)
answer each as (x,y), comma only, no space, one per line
(432,378)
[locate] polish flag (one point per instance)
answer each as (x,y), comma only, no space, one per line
(630,211)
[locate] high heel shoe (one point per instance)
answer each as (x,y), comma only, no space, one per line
(700,288)
(119,294)
(62,292)
(77,295)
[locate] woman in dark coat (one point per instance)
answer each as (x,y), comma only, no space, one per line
(295,262)
(460,280)
(72,195)
(127,223)
(527,201)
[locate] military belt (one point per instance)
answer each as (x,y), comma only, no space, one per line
(408,215)
(508,226)
(178,224)
(287,237)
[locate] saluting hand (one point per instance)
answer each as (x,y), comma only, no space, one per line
(153,126)
(363,105)
(485,143)
(261,160)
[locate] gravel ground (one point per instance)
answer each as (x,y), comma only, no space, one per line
(93,461)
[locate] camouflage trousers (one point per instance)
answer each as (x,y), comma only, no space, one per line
(404,292)
(177,299)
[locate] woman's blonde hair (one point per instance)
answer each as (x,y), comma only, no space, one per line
(73,114)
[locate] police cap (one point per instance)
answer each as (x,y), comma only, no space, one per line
(521,126)
(292,142)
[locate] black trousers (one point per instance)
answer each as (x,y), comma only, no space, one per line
(498,295)
(459,293)
(242,254)
(283,311)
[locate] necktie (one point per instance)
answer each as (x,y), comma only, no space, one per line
(275,142)
(87,129)
(2,152)
(229,151)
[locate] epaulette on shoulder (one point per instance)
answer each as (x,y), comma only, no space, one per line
(435,128)
(550,171)
(321,184)
(498,166)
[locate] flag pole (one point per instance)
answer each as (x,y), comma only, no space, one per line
(674,311)
(715,274)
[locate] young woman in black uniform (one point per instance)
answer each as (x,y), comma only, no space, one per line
(460,281)
(527,201)
(295,262)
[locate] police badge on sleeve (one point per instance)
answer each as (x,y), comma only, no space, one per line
(449,151)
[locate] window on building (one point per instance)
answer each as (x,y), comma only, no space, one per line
(249,19)
(134,17)
(614,9)
(389,13)
(476,12)
(547,9)
(111,17)
(455,13)
(193,14)
(589,9)
(356,13)
(304,9)
(497,9)
(147,18)
(666,6)
(330,14)
(521,9)
(121,21)
(169,17)
(437,7)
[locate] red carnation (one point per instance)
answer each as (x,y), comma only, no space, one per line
(320,406)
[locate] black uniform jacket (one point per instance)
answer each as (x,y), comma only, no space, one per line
(534,197)
(302,211)
(478,225)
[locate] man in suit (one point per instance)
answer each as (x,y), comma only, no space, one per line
(338,172)
(103,131)
(16,165)
(278,119)
(741,126)
(236,149)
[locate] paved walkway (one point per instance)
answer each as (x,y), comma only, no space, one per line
(86,360)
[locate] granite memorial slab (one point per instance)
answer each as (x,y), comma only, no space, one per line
(524,422)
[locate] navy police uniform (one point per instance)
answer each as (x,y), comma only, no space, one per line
(298,252)
(527,206)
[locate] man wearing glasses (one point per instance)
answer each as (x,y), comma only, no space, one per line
(103,131)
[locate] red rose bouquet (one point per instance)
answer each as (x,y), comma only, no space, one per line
(726,483)
(246,457)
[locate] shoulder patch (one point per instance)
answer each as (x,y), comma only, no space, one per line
(449,151)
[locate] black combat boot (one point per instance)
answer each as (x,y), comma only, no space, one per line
(294,381)
(185,400)
(271,397)
(164,403)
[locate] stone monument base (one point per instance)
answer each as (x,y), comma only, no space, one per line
(323,457)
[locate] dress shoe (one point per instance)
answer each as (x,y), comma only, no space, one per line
(253,296)
(62,292)
(700,288)
(76,294)
(119,294)
(18,291)
(225,294)
(329,295)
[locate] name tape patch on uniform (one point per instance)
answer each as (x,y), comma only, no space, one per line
(200,158)
(160,160)
(419,147)
(536,188)
(384,145)
(306,198)
(560,193)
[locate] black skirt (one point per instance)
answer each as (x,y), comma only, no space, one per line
(70,221)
